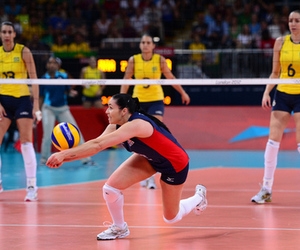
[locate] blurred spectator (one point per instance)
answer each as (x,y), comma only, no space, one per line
(246,15)
(167,8)
(139,21)
(115,35)
(124,4)
(235,30)
(274,27)
(154,19)
(221,7)
(23,17)
(238,7)
(218,33)
(3,15)
(77,22)
(244,39)
(48,37)
(95,37)
(103,24)
(196,44)
(111,7)
(183,13)
(129,7)
(254,25)
(17,26)
(266,43)
(58,20)
(79,46)
(199,27)
(209,16)
(12,8)
(268,11)
(33,28)
(59,45)
(128,30)
(285,12)
(40,52)
(283,28)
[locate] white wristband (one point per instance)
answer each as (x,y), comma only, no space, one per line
(38,115)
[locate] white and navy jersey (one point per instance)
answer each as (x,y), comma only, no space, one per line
(162,150)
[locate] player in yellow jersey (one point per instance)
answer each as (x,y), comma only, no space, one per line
(286,64)
(91,94)
(148,65)
(16,61)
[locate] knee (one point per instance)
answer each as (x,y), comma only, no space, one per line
(177,218)
(111,194)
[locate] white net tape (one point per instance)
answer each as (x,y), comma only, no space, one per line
(223,81)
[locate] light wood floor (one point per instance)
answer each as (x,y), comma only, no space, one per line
(68,217)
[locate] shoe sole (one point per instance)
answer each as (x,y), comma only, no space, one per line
(262,201)
(118,237)
(30,200)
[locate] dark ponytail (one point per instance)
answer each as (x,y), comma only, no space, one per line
(133,105)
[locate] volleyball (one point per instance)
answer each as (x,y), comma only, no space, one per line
(65,135)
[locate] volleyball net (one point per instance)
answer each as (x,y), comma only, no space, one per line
(225,77)
(146,82)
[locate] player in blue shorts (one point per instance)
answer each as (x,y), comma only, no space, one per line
(154,150)
(18,102)
(286,101)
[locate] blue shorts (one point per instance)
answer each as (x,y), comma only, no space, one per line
(17,108)
(175,178)
(153,108)
(286,102)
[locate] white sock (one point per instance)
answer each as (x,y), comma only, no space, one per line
(115,202)
(29,159)
(270,156)
(185,207)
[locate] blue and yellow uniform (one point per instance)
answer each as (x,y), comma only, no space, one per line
(147,70)
(287,96)
(92,90)
(290,65)
(163,152)
(15,98)
(150,96)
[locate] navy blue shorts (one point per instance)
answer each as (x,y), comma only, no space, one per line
(17,108)
(286,102)
(175,178)
(153,108)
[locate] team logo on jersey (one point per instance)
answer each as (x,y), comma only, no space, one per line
(154,69)
(16,59)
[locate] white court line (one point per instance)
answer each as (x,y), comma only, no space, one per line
(158,227)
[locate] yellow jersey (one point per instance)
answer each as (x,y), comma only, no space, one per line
(290,65)
(92,90)
(13,66)
(147,70)
(197,46)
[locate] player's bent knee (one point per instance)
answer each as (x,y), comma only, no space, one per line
(177,218)
(111,194)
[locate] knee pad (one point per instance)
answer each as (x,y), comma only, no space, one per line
(111,194)
(177,218)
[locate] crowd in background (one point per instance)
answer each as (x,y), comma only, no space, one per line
(66,25)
